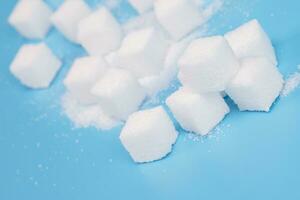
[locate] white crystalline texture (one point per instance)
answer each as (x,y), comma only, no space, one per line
(195,112)
(148,135)
(119,93)
(99,33)
(31,18)
(143,52)
(251,40)
(67,17)
(207,65)
(178,17)
(142,5)
(83,75)
(256,85)
(35,65)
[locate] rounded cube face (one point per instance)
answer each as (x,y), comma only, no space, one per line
(250,40)
(35,65)
(119,93)
(178,17)
(142,6)
(195,112)
(256,85)
(148,135)
(31,18)
(207,65)
(99,33)
(67,17)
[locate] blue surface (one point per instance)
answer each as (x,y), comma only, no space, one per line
(254,156)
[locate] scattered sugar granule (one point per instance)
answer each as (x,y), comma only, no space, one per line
(291,83)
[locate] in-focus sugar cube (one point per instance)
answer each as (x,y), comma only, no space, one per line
(250,40)
(68,16)
(119,93)
(148,135)
(196,112)
(83,75)
(256,85)
(31,18)
(35,65)
(143,52)
(208,64)
(178,17)
(142,5)
(100,33)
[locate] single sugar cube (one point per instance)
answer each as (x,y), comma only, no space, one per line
(100,33)
(208,64)
(142,5)
(251,40)
(83,75)
(256,85)
(35,65)
(196,112)
(68,16)
(119,93)
(31,18)
(143,52)
(178,17)
(148,135)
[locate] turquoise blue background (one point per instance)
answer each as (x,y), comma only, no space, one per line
(251,156)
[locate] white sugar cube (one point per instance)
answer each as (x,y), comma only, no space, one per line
(256,85)
(119,93)
(142,5)
(83,75)
(178,17)
(100,33)
(35,65)
(67,17)
(148,135)
(196,112)
(208,64)
(251,40)
(143,52)
(31,18)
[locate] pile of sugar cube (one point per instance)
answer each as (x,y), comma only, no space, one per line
(241,64)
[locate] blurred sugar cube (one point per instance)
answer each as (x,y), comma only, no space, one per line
(142,5)
(256,85)
(83,75)
(148,135)
(119,93)
(67,17)
(196,112)
(35,65)
(208,64)
(178,17)
(251,40)
(143,52)
(100,33)
(31,18)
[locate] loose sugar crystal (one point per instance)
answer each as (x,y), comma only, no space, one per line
(148,135)
(196,112)
(35,65)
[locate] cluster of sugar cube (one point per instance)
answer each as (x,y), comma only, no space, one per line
(121,66)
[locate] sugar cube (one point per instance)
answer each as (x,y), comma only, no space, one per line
(35,65)
(196,112)
(99,33)
(251,40)
(143,52)
(67,17)
(119,93)
(207,65)
(148,135)
(31,18)
(256,85)
(142,5)
(178,17)
(83,75)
